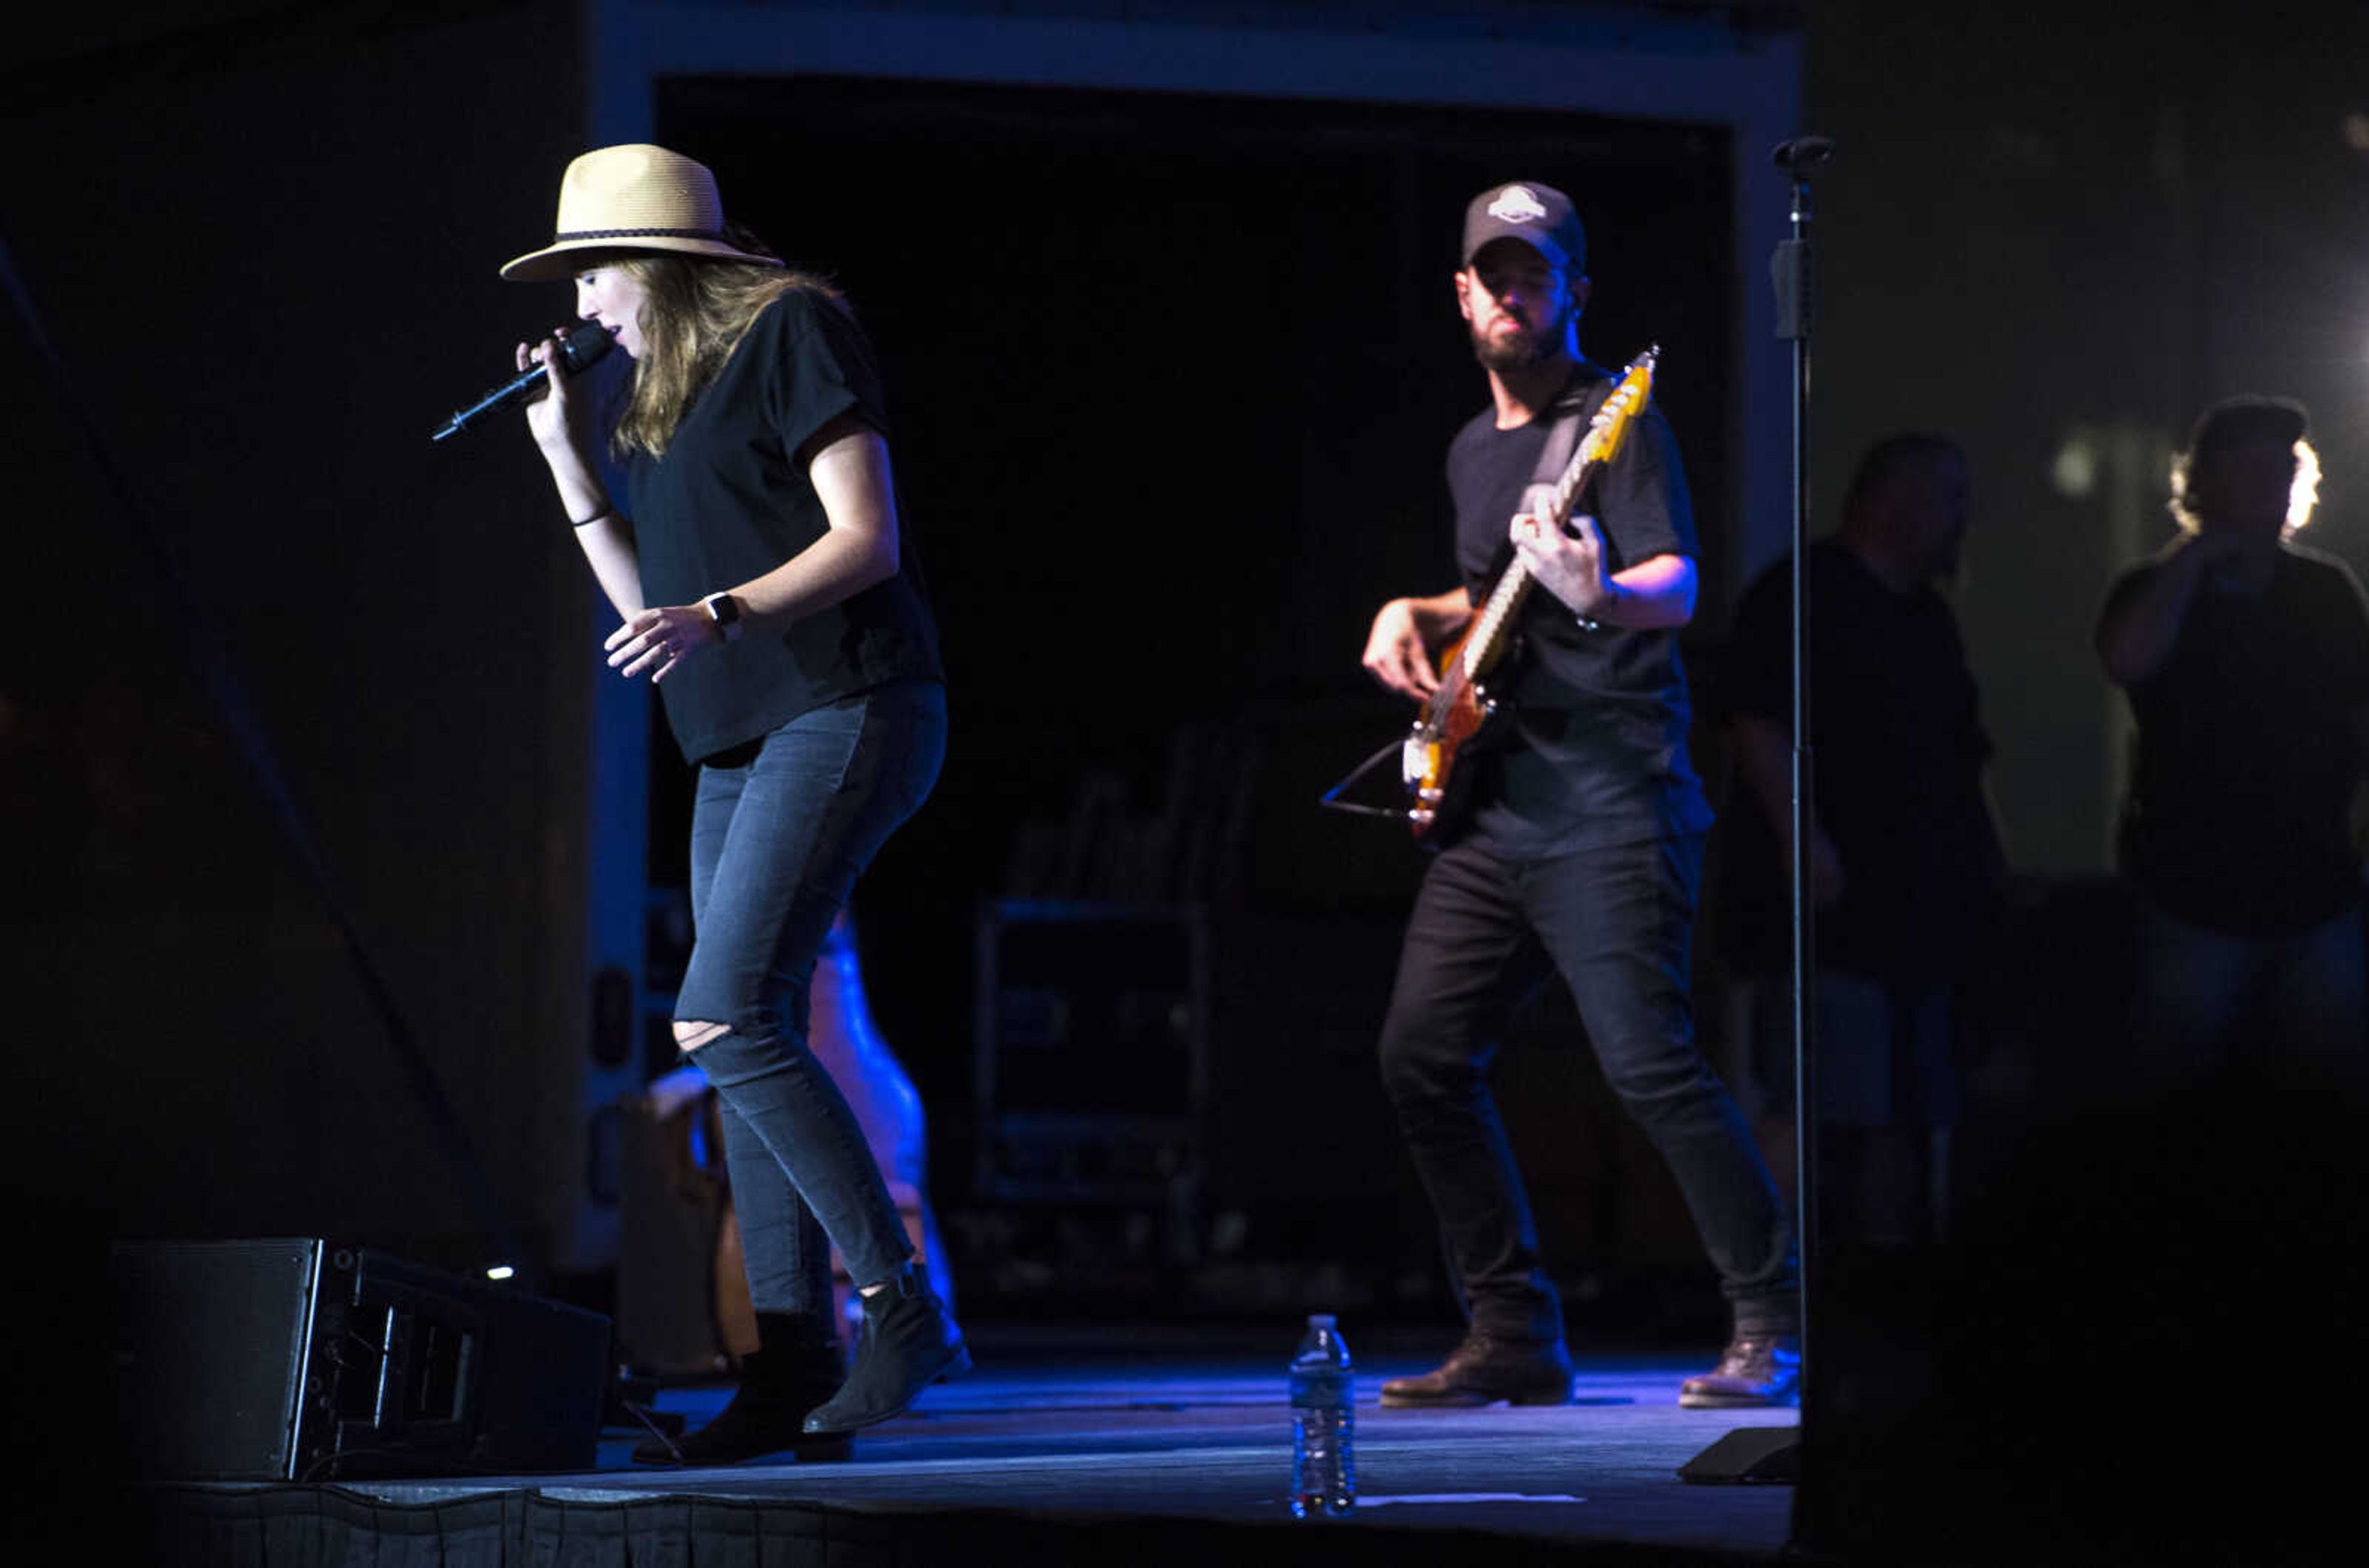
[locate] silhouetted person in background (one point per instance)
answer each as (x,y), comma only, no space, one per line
(1906,864)
(2246,657)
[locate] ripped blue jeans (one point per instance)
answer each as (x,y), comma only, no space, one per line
(780,832)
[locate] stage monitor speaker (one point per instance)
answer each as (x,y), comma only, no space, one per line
(1763,1456)
(298,1360)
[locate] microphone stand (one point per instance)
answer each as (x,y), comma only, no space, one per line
(1774,1454)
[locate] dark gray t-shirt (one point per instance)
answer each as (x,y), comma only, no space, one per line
(730,501)
(1596,750)
(1896,725)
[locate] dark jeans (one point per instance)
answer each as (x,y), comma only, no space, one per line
(1617,924)
(2204,1000)
(1889,1095)
(777,841)
(1888,1050)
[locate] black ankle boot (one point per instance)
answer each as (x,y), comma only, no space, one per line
(909,1342)
(793,1372)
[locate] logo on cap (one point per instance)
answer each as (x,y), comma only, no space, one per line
(1515,204)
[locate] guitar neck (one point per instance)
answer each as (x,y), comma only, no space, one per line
(1574,479)
(1493,628)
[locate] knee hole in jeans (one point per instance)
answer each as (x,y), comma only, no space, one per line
(690,1033)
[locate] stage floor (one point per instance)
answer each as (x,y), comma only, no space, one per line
(1166,1428)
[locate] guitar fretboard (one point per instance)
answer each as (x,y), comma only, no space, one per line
(1481,648)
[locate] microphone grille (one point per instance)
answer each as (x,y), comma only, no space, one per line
(583,346)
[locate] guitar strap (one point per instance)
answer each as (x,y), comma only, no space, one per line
(1571,411)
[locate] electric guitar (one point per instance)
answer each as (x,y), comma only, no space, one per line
(1462,711)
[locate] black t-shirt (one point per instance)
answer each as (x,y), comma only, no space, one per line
(730,501)
(1596,751)
(2246,753)
(1897,736)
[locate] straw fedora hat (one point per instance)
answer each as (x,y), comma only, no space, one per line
(635,197)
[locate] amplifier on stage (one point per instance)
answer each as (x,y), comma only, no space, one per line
(298,1360)
(1093,1060)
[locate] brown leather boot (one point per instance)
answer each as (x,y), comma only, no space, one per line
(1755,1369)
(1483,1370)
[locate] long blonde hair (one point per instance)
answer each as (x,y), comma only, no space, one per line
(697,313)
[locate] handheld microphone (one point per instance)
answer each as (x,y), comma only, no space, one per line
(579,348)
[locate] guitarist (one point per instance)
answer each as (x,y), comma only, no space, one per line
(1580,848)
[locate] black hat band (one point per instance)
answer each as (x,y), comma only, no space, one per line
(716,235)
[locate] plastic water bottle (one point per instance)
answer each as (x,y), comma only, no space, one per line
(1323,1423)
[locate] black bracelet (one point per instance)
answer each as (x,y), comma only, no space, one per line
(604,511)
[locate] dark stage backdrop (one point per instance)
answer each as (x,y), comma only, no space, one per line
(262,239)
(264,246)
(1172,379)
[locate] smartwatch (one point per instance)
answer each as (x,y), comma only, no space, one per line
(725,610)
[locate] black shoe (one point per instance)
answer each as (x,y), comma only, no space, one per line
(909,1342)
(1483,1370)
(794,1372)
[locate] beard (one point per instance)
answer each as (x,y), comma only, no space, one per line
(1517,350)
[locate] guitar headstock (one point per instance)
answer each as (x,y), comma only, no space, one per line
(1611,426)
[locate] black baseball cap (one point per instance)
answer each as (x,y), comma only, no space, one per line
(1538,216)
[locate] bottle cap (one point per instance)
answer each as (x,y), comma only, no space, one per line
(1319,1320)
